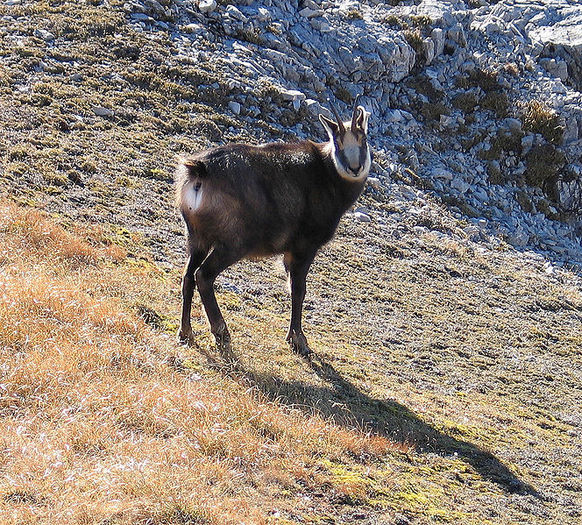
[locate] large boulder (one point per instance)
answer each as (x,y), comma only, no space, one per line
(551,29)
(559,32)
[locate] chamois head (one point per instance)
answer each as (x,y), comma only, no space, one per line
(348,143)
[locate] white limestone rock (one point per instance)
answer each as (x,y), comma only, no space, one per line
(207,6)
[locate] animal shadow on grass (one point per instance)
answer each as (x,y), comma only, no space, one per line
(342,402)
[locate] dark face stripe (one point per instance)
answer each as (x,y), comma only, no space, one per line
(362,156)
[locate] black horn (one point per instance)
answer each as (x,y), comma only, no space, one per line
(340,122)
(355,112)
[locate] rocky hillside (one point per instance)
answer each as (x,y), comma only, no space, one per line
(445,317)
(480,102)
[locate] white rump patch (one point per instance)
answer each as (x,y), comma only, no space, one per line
(193,195)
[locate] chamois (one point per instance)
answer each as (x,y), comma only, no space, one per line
(241,201)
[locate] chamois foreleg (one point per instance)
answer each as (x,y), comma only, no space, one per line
(217,260)
(298,266)
(188,285)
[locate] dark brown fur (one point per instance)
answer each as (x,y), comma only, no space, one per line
(258,201)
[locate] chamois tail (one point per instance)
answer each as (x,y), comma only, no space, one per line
(195,169)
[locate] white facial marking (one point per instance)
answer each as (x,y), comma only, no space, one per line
(351,150)
(362,173)
(365,169)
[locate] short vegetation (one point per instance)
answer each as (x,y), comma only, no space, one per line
(445,382)
(104,418)
(537,117)
(494,99)
(544,163)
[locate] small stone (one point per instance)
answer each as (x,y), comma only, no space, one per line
(292,94)
(362,217)
(428,48)
(313,106)
(526,144)
(571,131)
(519,238)
(264,15)
(236,13)
(557,68)
(311,4)
(480,194)
(548,268)
(47,36)
(235,107)
(193,28)
(491,27)
(141,17)
(374,183)
(394,116)
(207,6)
(323,26)
(103,112)
(457,34)
(460,185)
(447,121)
(310,13)
(441,173)
(400,519)
(513,124)
(438,37)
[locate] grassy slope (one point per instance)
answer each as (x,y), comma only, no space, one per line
(446,385)
(436,402)
(105,418)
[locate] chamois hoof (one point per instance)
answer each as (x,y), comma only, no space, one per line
(299,344)
(186,337)
(222,337)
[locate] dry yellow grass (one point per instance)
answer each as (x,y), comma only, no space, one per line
(470,353)
(102,421)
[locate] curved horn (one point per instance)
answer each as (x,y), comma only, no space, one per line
(355,112)
(340,122)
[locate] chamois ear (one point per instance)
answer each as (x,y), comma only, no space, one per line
(362,119)
(330,126)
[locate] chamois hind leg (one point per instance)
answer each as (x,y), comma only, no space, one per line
(298,268)
(188,285)
(217,260)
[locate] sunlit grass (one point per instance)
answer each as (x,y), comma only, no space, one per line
(102,420)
